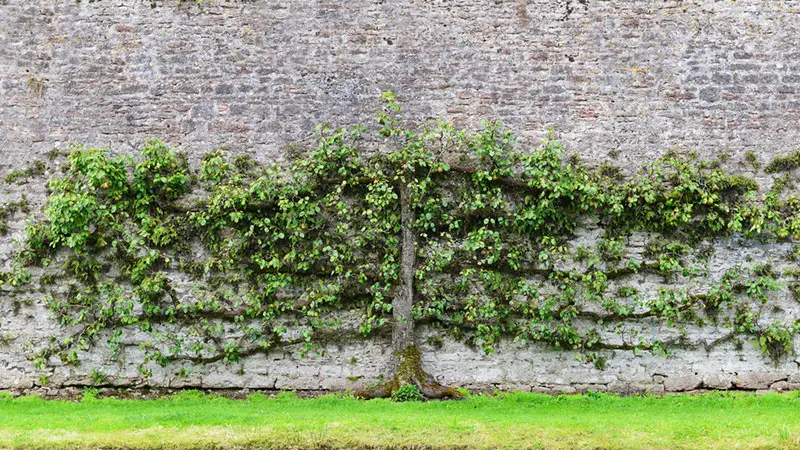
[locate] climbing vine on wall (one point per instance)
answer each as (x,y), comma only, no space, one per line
(220,261)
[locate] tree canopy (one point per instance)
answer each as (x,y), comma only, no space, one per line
(396,225)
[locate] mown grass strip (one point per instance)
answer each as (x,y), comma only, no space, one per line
(515,420)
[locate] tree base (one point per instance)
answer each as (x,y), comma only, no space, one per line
(410,371)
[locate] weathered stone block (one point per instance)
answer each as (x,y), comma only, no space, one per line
(718,381)
(779,386)
(682,383)
(757,380)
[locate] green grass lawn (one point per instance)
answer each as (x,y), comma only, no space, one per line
(516,420)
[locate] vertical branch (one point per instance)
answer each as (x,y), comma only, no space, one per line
(403,327)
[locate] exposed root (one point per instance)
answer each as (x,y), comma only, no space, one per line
(380,391)
(410,371)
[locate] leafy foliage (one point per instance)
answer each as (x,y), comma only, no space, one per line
(268,256)
(407,393)
(784,163)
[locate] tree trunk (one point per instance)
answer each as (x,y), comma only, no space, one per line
(403,319)
(406,358)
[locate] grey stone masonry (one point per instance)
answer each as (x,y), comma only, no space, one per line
(621,81)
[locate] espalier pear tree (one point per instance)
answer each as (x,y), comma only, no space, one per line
(393,227)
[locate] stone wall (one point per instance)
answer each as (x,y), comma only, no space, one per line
(627,78)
